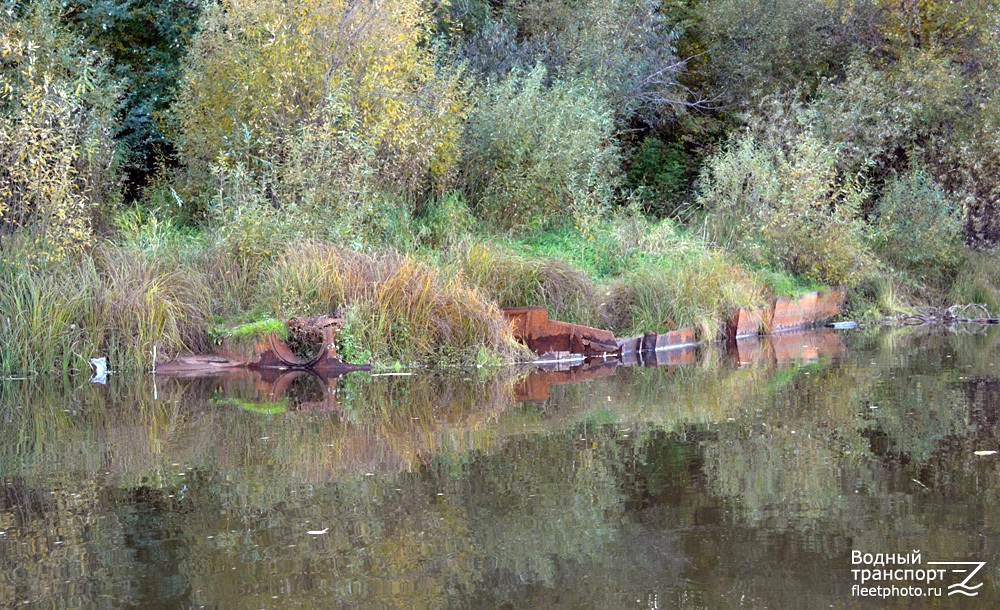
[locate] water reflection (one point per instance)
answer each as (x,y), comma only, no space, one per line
(741,476)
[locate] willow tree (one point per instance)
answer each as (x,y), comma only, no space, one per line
(356,77)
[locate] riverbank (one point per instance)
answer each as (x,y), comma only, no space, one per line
(434,300)
(432,294)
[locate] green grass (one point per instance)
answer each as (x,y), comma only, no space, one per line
(978,281)
(179,290)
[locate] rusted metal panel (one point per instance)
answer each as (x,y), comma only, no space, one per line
(807,310)
(532,326)
(746,323)
(274,353)
(674,356)
(674,339)
(629,346)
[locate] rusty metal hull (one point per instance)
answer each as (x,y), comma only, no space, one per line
(532,326)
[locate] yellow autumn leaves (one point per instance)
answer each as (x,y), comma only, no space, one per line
(352,74)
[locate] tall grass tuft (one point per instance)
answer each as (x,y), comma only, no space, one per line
(698,289)
(40,313)
(116,302)
(978,281)
(396,308)
(513,280)
(143,300)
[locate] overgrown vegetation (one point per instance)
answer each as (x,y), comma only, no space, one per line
(414,167)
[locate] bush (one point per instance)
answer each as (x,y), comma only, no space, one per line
(624,49)
(331,74)
(144,43)
(58,162)
(766,47)
(916,229)
(661,173)
(881,117)
(537,155)
(787,207)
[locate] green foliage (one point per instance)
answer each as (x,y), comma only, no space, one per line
(144,42)
(661,173)
(763,47)
(882,118)
(537,155)
(787,207)
(256,330)
(625,49)
(328,74)
(58,162)
(918,230)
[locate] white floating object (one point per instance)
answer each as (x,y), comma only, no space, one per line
(318,532)
(985,452)
(100,370)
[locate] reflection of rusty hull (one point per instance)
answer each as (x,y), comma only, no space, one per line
(784,348)
(535,386)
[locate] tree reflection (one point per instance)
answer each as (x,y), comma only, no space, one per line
(680,485)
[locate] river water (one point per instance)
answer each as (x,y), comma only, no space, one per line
(776,475)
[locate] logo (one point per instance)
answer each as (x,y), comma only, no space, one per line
(904,575)
(962,587)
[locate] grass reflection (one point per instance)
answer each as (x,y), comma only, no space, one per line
(438,491)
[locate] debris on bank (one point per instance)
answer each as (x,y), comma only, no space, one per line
(310,346)
(311,341)
(956,314)
(553,340)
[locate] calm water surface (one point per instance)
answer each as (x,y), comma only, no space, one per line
(722,479)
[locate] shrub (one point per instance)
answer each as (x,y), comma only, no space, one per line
(662,173)
(58,162)
(285,70)
(536,155)
(764,47)
(625,49)
(144,43)
(916,229)
(787,207)
(881,117)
